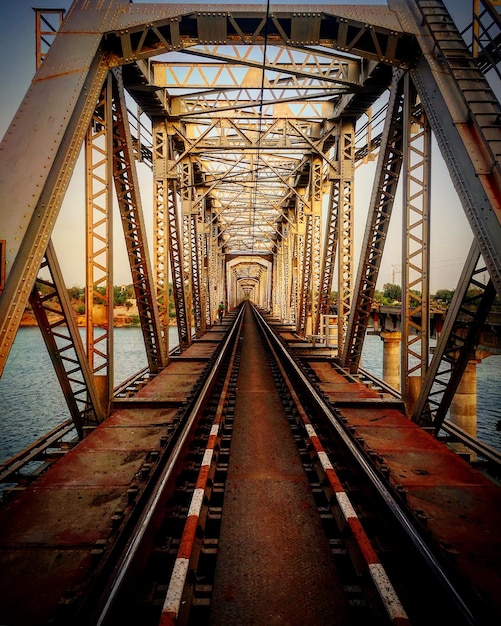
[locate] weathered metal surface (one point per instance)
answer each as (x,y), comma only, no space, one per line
(458,506)
(175,382)
(53,535)
(54,572)
(345,391)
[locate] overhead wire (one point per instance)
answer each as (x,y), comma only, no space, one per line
(255,166)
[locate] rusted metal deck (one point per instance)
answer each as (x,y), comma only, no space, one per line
(53,534)
(458,506)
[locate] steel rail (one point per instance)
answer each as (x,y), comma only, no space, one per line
(172,600)
(381,581)
(490,454)
(133,546)
(404,520)
(10,469)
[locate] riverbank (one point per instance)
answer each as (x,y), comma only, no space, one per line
(123,317)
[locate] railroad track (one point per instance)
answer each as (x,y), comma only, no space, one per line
(164,571)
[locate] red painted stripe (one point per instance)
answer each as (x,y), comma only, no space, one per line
(188,538)
(363,541)
(211,444)
(401,621)
(167,619)
(202,477)
(334,481)
(315,442)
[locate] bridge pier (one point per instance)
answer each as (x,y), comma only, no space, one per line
(391,357)
(463,408)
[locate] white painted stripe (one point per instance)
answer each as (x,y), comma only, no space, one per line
(324,460)
(215,429)
(388,595)
(196,502)
(207,460)
(175,591)
(310,431)
(345,505)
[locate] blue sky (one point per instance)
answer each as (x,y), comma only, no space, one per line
(17,67)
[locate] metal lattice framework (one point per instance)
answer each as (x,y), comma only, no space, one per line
(253,121)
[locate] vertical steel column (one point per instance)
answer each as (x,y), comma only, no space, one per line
(99,281)
(204,270)
(212,269)
(223,278)
(275,305)
(280,280)
(285,249)
(198,255)
(295,253)
(415,248)
(330,249)
(188,231)
(317,185)
(304,259)
(346,235)
(196,241)
(46,30)
(161,228)
(289,260)
(176,251)
(186,260)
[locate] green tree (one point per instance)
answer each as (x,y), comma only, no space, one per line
(392,292)
(121,294)
(76,293)
(445,295)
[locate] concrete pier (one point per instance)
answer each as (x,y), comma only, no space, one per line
(391,357)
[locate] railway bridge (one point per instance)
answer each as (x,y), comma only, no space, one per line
(237,147)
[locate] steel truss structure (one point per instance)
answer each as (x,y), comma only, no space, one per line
(252,118)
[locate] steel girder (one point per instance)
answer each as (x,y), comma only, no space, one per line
(177,267)
(461,109)
(329,254)
(465,116)
(193,233)
(51,305)
(35,201)
(466,316)
(129,202)
(416,244)
(99,280)
(161,228)
(374,33)
(386,178)
(346,150)
(317,185)
(178,259)
(46,30)
(196,249)
(304,230)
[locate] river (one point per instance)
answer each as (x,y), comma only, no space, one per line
(31,401)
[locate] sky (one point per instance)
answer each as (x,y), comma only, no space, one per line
(450,232)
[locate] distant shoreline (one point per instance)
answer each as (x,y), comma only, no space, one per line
(120,320)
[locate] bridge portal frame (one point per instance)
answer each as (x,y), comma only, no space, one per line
(121,36)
